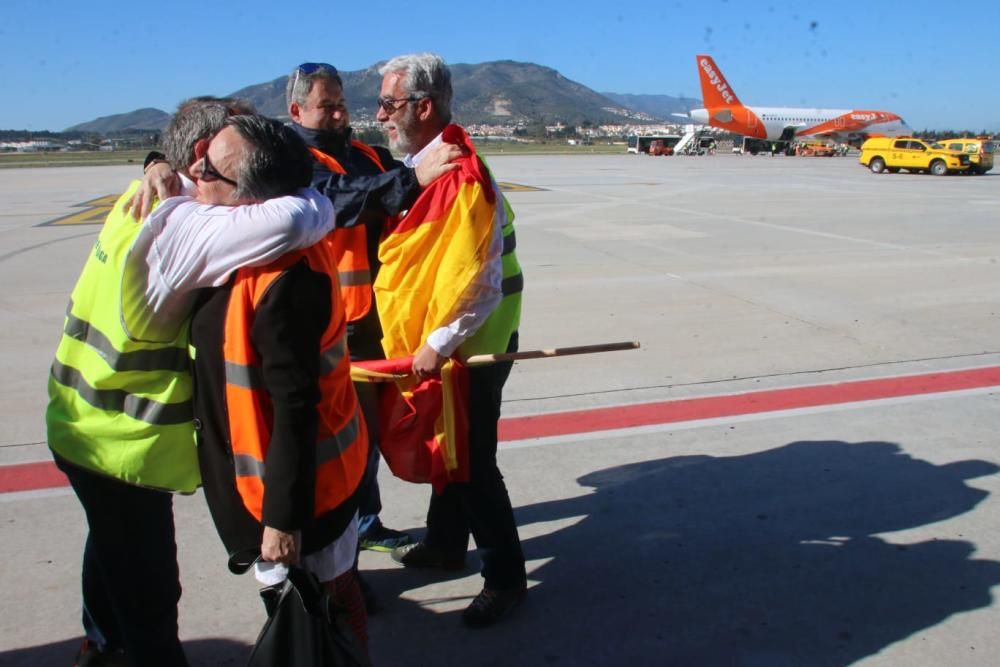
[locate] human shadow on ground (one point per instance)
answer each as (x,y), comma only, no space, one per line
(200,653)
(772,558)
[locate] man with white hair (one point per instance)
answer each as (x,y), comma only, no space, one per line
(461,220)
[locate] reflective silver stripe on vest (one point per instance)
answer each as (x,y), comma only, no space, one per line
(333,446)
(327,450)
(170,359)
(512,284)
(329,360)
(247,377)
(247,466)
(354,278)
(115,400)
(509,243)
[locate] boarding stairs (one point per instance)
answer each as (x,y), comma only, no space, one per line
(686,144)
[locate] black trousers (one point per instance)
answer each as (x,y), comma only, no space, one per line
(482,505)
(131,582)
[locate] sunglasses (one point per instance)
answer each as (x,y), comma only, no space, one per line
(308,69)
(391,105)
(209,173)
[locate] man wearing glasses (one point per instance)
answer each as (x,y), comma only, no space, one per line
(477,314)
(367,187)
(282,446)
(120,421)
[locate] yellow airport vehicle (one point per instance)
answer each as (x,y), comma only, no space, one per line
(894,153)
(979,149)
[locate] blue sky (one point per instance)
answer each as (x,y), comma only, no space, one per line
(63,63)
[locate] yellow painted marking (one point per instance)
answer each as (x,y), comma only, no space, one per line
(95,214)
(517,187)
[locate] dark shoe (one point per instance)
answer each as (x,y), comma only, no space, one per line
(91,656)
(491,605)
(380,538)
(419,555)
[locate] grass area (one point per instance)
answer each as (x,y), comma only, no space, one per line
(75,159)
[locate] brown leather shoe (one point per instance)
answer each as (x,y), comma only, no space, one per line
(491,605)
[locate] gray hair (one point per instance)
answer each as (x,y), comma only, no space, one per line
(299,84)
(425,74)
(279,163)
(195,119)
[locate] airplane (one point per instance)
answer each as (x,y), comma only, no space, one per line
(724,110)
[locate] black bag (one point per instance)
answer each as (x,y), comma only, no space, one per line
(304,628)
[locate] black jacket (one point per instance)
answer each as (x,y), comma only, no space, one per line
(288,325)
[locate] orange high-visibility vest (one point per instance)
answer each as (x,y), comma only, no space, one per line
(350,246)
(342,437)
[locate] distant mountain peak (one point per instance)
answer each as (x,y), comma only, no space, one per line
(499,92)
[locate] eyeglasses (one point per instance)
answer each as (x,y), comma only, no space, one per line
(391,105)
(308,69)
(209,173)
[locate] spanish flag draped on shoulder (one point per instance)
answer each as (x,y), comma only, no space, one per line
(428,262)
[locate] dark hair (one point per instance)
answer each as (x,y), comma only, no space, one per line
(279,162)
(195,119)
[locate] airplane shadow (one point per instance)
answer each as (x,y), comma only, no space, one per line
(772,558)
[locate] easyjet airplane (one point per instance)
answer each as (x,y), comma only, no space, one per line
(724,110)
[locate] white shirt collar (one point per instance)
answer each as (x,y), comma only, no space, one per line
(413,160)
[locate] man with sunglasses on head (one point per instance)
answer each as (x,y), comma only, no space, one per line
(120,418)
(462,220)
(367,187)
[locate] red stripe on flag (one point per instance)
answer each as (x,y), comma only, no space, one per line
(690,409)
(31,476)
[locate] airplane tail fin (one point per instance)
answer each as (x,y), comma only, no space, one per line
(714,88)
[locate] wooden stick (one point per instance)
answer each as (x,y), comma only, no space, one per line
(480,359)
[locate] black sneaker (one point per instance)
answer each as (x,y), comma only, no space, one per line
(419,555)
(491,605)
(380,538)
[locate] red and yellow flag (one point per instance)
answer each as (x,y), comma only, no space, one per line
(428,262)
(423,426)
(433,254)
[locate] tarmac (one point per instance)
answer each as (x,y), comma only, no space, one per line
(798,467)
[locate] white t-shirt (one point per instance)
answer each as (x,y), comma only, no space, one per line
(185,245)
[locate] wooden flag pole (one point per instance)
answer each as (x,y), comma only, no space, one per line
(480,359)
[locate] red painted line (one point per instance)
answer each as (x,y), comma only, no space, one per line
(31,477)
(44,475)
(711,407)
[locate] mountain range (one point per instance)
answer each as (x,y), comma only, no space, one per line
(498,93)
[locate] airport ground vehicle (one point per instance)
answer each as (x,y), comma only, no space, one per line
(754,146)
(815,149)
(894,153)
(657,147)
(641,145)
(979,150)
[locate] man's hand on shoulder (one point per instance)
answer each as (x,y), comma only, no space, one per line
(159,182)
(427,362)
(438,162)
